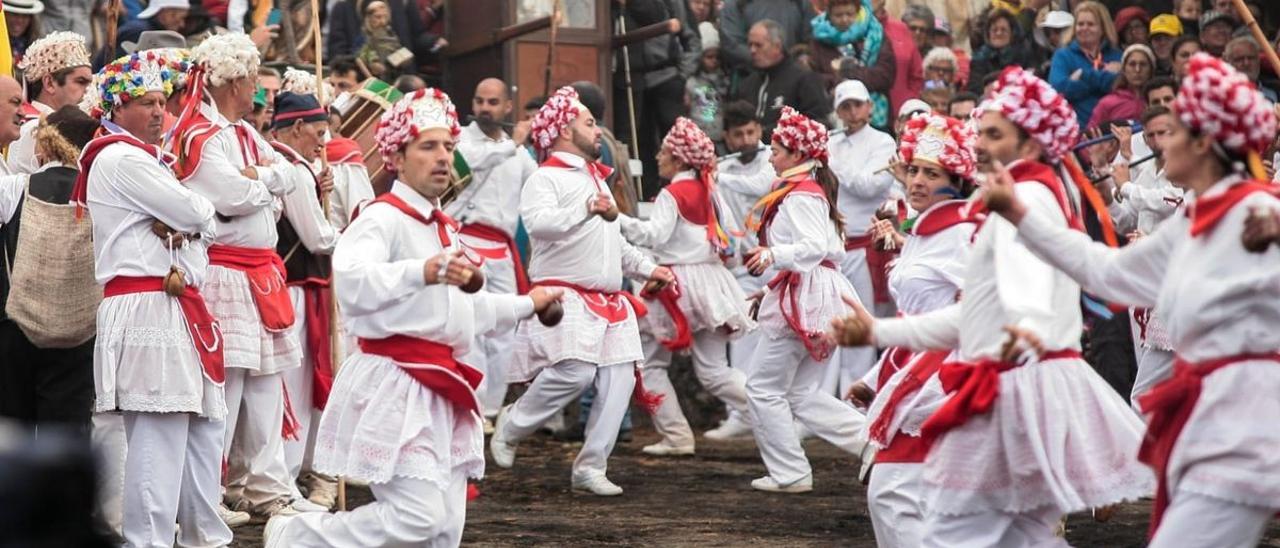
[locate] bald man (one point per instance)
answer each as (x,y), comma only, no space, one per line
(488,209)
(10,117)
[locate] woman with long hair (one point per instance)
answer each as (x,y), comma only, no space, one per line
(801,235)
(1005,44)
(1126,102)
(1086,69)
(849,44)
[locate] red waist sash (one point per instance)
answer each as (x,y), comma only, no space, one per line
(607,305)
(669,297)
(315,308)
(921,370)
(266,274)
(205,336)
(877,265)
(497,235)
(450,378)
(1169,405)
(787,284)
(893,360)
(904,449)
(973,388)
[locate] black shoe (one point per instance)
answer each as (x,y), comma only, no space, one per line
(624,436)
(577,432)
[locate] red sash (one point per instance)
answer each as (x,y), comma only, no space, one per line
(266,274)
(877,265)
(904,449)
(1205,213)
(669,297)
(974,388)
(341,150)
(921,370)
(893,360)
(493,234)
(198,319)
(787,284)
(1169,405)
(450,378)
(695,202)
(607,305)
(315,309)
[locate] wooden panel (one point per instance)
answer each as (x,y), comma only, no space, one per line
(573,62)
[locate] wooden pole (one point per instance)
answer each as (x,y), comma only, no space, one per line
(551,46)
(1247,17)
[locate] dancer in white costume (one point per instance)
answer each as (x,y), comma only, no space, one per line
(1020,442)
(705,308)
(799,234)
(1212,437)
(403,414)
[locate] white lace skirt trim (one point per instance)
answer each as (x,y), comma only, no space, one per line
(248,344)
(820,299)
(580,335)
(381,423)
(144,360)
(1057,435)
(710,299)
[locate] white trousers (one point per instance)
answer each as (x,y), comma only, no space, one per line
(710,365)
(783,388)
(109,443)
(298,453)
(253,439)
(406,513)
(848,365)
(171,477)
(491,351)
(994,529)
(1194,520)
(558,385)
(895,498)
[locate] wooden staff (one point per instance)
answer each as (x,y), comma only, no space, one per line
(113,22)
(551,46)
(1247,17)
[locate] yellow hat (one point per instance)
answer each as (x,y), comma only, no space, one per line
(1166,23)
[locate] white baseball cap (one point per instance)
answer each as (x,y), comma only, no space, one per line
(850,89)
(1057,20)
(911,107)
(156,5)
(709,35)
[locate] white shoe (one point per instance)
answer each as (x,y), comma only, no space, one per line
(732,427)
(272,534)
(231,517)
(664,449)
(304,505)
(488,427)
(767,483)
(321,490)
(597,485)
(504,454)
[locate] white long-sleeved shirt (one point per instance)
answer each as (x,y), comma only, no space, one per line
(302,207)
(22,153)
(929,271)
(568,243)
(670,237)
(1146,201)
(128,190)
(1215,298)
(855,159)
(1004,285)
(251,204)
(351,187)
(741,185)
(499,170)
(377,269)
(12,188)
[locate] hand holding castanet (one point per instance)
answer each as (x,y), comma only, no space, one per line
(546,304)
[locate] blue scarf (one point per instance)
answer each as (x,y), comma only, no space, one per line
(868,30)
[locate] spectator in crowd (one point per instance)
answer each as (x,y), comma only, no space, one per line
(346,37)
(1188,12)
(409,83)
(1164,29)
(803,56)
(22,21)
(1132,25)
(706,91)
(988,83)
(1215,31)
(704,11)
(942,39)
(1160,92)
(919,18)
(1086,69)
(160,15)
(1005,46)
(777,80)
(344,74)
(381,51)
(962,105)
(849,44)
(70,15)
(1125,103)
(1183,48)
(940,65)
(1028,13)
(910,109)
(737,17)
(1245,55)
(937,94)
(1053,30)
(908,74)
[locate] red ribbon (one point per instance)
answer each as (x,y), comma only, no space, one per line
(206,338)
(669,297)
(607,305)
(443,222)
(494,234)
(921,370)
(787,284)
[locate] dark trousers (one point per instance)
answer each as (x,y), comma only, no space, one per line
(656,111)
(45,385)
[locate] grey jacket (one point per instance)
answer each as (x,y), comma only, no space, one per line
(737,16)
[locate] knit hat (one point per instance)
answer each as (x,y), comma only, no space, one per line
(1033,105)
(1130,14)
(560,110)
(425,109)
(52,53)
(941,140)
(291,107)
(1139,48)
(800,134)
(1220,102)
(1166,23)
(689,144)
(226,57)
(709,35)
(133,76)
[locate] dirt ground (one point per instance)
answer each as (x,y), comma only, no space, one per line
(695,501)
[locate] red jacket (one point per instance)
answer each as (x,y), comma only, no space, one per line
(908,80)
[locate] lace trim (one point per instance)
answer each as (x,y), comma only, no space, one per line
(146,337)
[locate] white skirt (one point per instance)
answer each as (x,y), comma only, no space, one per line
(580,335)
(380,423)
(1057,435)
(820,301)
(248,345)
(1230,446)
(913,410)
(710,299)
(144,360)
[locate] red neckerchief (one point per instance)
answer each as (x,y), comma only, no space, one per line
(443,222)
(599,172)
(941,217)
(1206,212)
(341,150)
(80,192)
(1027,171)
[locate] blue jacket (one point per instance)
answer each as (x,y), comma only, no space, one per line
(1083,94)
